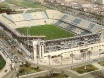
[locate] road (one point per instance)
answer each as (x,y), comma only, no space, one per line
(12,73)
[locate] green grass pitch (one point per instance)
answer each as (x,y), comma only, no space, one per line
(2,62)
(50,31)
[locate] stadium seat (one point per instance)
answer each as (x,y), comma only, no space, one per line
(84,33)
(58,23)
(27,16)
(91,25)
(76,21)
(64,16)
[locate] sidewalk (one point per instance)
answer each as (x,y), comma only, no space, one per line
(45,61)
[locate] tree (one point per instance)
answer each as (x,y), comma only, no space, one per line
(72,55)
(21,70)
(17,75)
(49,58)
(27,64)
(100,52)
(89,54)
(61,59)
(37,61)
(83,54)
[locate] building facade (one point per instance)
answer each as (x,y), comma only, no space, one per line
(74,45)
(100,1)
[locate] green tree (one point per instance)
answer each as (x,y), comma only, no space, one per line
(27,64)
(89,54)
(100,52)
(21,70)
(72,55)
(83,54)
(17,75)
(49,58)
(61,59)
(37,61)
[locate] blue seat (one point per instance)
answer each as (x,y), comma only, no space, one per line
(58,23)
(44,15)
(65,16)
(84,33)
(69,27)
(76,21)
(10,17)
(27,16)
(91,25)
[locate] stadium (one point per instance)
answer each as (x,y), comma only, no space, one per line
(52,34)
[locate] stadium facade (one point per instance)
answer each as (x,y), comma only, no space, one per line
(88,34)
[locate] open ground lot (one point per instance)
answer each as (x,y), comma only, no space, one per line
(101,63)
(27,69)
(25,3)
(85,69)
(50,31)
(4,5)
(2,62)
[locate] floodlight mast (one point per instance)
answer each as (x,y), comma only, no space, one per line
(27,33)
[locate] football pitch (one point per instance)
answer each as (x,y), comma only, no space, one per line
(50,31)
(2,62)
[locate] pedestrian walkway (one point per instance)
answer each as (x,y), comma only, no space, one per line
(42,73)
(65,61)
